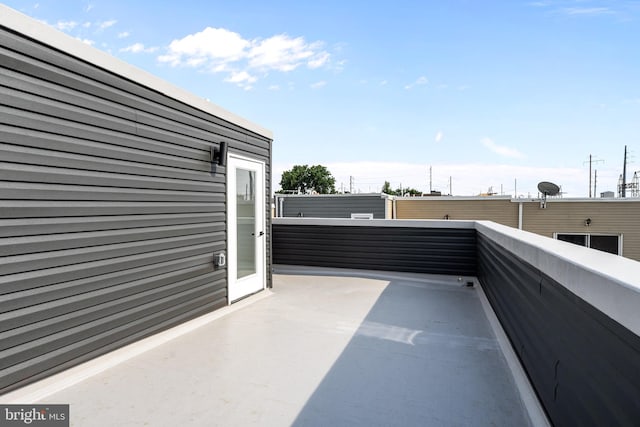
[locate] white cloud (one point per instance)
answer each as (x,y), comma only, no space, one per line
(274,87)
(384,83)
(221,50)
(106,24)
(501,150)
(242,79)
(338,66)
(66,25)
(124,34)
(87,24)
(318,85)
(462,88)
(138,48)
(283,53)
(214,45)
(420,81)
(439,136)
(88,7)
(587,11)
(318,60)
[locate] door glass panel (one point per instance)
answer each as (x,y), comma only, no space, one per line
(246,222)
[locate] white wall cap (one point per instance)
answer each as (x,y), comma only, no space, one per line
(608,282)
(405,223)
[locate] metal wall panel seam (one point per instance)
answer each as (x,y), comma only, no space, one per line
(44,294)
(17,172)
(43,123)
(72,208)
(17,154)
(54,242)
(43,139)
(56,225)
(43,331)
(97,269)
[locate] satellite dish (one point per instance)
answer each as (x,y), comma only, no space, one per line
(548,188)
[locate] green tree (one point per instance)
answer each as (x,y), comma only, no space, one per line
(408,192)
(308,178)
(386,188)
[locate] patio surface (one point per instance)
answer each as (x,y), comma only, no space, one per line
(325,348)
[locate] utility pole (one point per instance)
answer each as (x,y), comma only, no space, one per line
(515,187)
(430,180)
(590,162)
(595,183)
(624,174)
(450,187)
(351,184)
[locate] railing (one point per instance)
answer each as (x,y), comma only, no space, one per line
(571,313)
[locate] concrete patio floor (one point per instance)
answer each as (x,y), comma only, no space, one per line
(323,348)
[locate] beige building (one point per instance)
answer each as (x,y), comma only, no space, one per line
(608,224)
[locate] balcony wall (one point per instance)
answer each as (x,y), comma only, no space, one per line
(433,247)
(570,312)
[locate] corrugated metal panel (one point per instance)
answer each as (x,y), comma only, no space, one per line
(501,211)
(607,217)
(333,206)
(110,210)
(584,366)
(418,250)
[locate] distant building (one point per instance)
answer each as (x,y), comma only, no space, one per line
(606,223)
(359,206)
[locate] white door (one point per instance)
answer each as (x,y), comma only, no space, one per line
(246,226)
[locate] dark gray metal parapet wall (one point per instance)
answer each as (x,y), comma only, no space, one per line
(443,248)
(110,208)
(584,365)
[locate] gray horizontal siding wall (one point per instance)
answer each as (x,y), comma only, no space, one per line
(333,206)
(405,249)
(110,210)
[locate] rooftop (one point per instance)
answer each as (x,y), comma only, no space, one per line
(324,347)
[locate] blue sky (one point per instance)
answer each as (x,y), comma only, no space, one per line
(500,94)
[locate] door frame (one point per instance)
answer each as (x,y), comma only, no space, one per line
(240,288)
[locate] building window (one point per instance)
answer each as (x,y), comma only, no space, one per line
(610,243)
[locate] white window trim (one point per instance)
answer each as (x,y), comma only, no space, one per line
(588,235)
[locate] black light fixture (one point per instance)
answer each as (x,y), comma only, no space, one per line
(219,155)
(587,222)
